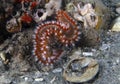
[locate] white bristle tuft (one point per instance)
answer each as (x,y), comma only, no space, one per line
(76,39)
(41,48)
(42,38)
(60,31)
(61,24)
(47,47)
(44,52)
(34,48)
(47,37)
(73,44)
(79,33)
(66,45)
(42,24)
(48,33)
(37,28)
(52,57)
(64,36)
(56,34)
(49,60)
(66,41)
(44,58)
(53,22)
(41,43)
(58,22)
(48,30)
(63,40)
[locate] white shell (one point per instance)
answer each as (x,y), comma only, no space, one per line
(118,7)
(89,73)
(116,25)
(118,10)
(2,55)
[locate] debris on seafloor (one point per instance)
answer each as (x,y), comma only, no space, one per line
(94,16)
(54,78)
(81,69)
(37,15)
(57,70)
(14,25)
(51,7)
(39,79)
(4,57)
(116,25)
(86,14)
(118,8)
(87,53)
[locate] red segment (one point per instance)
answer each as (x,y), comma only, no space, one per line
(33,5)
(26,18)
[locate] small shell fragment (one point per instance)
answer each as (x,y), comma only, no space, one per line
(2,55)
(118,10)
(88,68)
(88,53)
(14,25)
(116,25)
(118,7)
(39,79)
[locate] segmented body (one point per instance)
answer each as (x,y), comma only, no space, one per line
(63,31)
